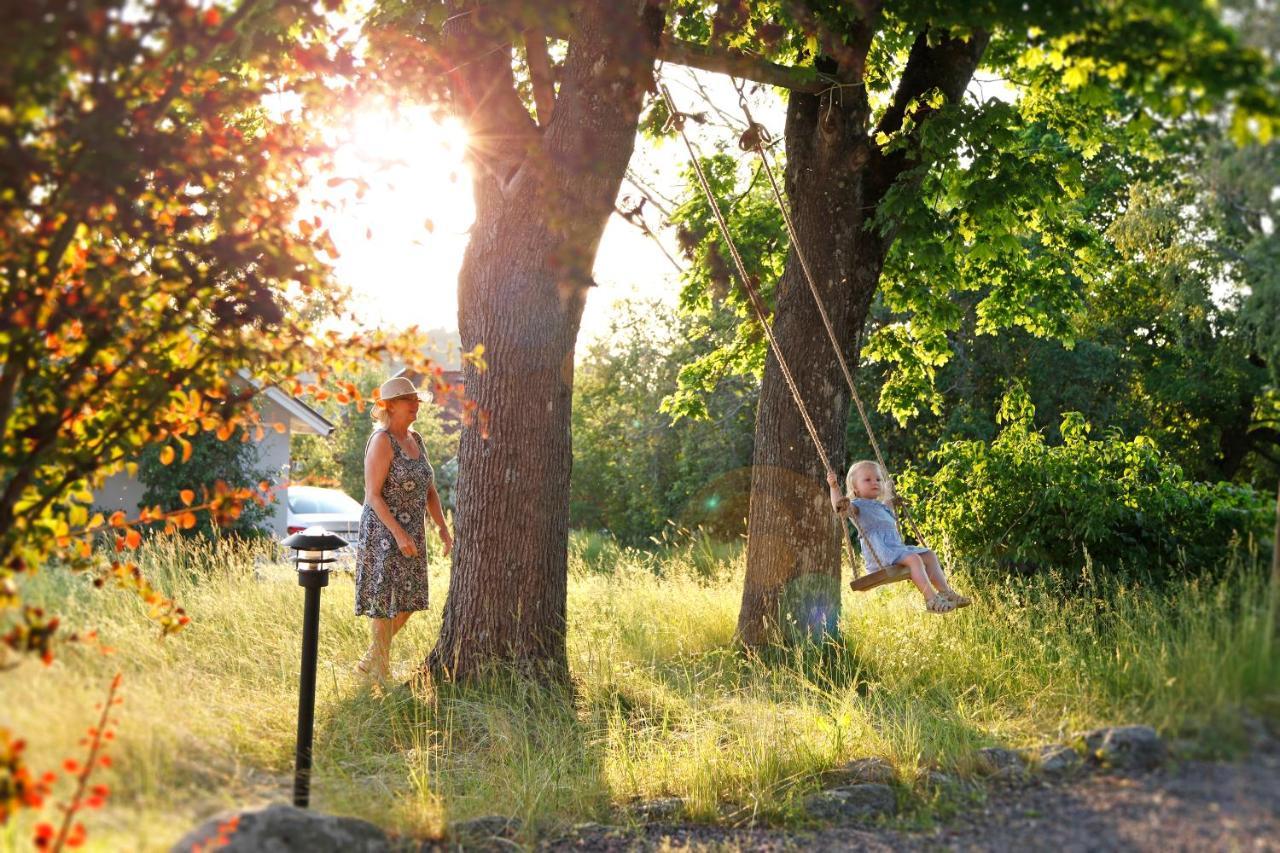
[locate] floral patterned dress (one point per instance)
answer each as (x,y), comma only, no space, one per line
(388,582)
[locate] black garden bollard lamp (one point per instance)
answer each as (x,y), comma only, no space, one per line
(311,547)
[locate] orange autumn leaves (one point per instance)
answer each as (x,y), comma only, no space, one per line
(70,832)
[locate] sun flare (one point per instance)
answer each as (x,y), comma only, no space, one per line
(402,200)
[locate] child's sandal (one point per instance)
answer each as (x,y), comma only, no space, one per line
(957,599)
(939,604)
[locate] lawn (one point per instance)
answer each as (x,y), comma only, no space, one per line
(662,704)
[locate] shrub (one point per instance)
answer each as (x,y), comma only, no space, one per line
(1023,502)
(233,461)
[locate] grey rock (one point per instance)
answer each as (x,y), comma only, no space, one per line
(1126,747)
(997,761)
(1058,760)
(937,779)
(734,814)
(283,829)
(666,808)
(874,770)
(1011,775)
(852,803)
(1262,733)
(489,826)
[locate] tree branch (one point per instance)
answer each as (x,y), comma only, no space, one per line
(738,63)
(484,96)
(946,66)
(636,219)
(544,90)
(850,58)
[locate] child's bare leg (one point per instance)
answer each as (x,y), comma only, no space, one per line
(933,569)
(918,575)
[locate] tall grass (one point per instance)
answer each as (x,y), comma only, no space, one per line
(661,704)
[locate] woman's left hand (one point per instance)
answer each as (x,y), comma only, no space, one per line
(447,538)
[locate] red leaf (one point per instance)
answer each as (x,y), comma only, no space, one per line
(43,835)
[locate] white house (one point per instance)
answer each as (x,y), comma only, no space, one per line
(123,492)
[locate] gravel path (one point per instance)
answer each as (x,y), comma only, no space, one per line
(1191,806)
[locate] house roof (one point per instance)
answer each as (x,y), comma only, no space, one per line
(302,418)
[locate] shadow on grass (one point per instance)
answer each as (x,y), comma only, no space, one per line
(431,754)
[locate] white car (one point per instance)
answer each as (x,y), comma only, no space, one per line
(332,509)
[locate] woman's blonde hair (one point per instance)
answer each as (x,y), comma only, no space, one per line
(853,473)
(378,412)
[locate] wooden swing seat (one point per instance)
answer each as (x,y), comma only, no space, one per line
(880,577)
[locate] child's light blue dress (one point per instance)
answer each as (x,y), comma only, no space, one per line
(882,538)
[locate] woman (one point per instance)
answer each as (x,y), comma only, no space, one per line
(391,551)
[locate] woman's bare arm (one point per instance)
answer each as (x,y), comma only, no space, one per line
(377,464)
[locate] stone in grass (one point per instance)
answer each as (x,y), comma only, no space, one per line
(1058,760)
(851,803)
(735,814)
(489,826)
(997,761)
(937,780)
(663,809)
(1125,747)
(283,829)
(874,770)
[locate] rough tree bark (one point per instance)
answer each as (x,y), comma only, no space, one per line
(836,177)
(543,196)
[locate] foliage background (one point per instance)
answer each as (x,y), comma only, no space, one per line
(337,460)
(233,461)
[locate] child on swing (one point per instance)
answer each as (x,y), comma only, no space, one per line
(882,544)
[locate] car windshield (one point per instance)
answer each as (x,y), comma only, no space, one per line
(322,501)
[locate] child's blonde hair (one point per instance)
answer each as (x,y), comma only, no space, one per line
(853,473)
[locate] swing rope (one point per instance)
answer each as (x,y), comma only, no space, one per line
(676,120)
(754,139)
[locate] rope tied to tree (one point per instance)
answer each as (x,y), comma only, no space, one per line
(676,120)
(759,141)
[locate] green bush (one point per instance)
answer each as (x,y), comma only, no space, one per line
(1022,502)
(232,461)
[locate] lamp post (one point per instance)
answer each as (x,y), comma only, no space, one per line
(310,549)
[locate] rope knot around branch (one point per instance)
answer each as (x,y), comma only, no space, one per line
(754,137)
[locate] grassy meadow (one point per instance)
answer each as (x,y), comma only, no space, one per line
(662,703)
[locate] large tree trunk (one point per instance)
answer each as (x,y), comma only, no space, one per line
(792,585)
(836,177)
(543,197)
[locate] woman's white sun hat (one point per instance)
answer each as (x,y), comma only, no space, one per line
(400,386)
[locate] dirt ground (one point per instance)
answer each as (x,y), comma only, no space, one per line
(1187,806)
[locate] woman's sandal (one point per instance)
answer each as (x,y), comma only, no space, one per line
(957,599)
(939,604)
